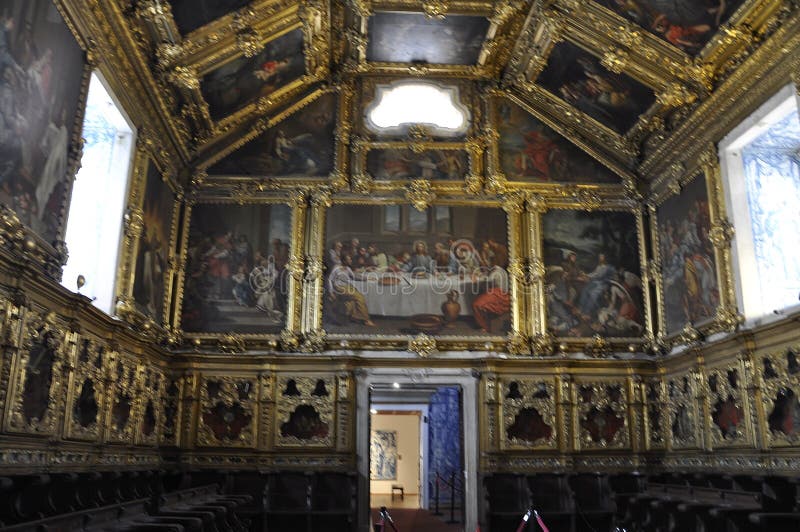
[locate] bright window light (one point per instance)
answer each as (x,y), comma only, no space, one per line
(761,165)
(417,103)
(94,225)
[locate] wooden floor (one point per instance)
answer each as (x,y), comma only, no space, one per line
(410,500)
(411,520)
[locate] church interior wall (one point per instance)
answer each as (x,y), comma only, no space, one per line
(83,391)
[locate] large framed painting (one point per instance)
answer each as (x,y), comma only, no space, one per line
(689,286)
(578,78)
(395,270)
(236,278)
(593,279)
(383,455)
(43,81)
(390,164)
(529,151)
(687,24)
(245,79)
(151,279)
(301,145)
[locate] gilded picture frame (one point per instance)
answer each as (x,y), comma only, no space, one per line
(418,340)
(542,258)
(147,171)
(421,140)
(723,315)
(25,217)
(233,340)
(336,178)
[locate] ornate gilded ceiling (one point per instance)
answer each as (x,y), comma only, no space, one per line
(615,77)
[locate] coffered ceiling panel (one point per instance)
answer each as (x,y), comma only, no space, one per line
(414,37)
(300,145)
(190,15)
(245,79)
(530,151)
(687,24)
(578,78)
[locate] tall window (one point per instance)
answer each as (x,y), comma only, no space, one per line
(761,166)
(94,225)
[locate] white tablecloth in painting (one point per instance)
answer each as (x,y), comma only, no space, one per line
(418,295)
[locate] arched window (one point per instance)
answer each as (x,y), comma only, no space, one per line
(94,223)
(761,172)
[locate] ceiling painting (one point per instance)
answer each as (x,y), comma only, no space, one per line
(412,37)
(395,163)
(243,80)
(190,15)
(687,24)
(301,145)
(578,78)
(531,151)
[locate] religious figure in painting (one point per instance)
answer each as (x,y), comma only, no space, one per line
(691,293)
(236,276)
(495,301)
(401,283)
(41,67)
(592,284)
(687,24)
(529,150)
(344,296)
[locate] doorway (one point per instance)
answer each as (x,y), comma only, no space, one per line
(413,424)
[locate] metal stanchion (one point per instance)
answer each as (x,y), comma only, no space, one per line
(436,496)
(452,499)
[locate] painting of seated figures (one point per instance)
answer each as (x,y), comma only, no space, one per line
(593,280)
(392,269)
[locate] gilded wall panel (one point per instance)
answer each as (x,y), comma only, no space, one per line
(779,374)
(87,398)
(686,424)
(152,407)
(528,414)
(729,405)
(305,410)
(125,386)
(38,383)
(601,410)
(228,411)
(169,434)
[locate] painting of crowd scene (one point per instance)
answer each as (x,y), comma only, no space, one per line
(427,164)
(687,24)
(153,252)
(235,275)
(688,269)
(192,14)
(301,145)
(531,151)
(392,269)
(593,278)
(576,76)
(41,70)
(243,80)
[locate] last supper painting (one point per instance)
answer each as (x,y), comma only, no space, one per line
(395,270)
